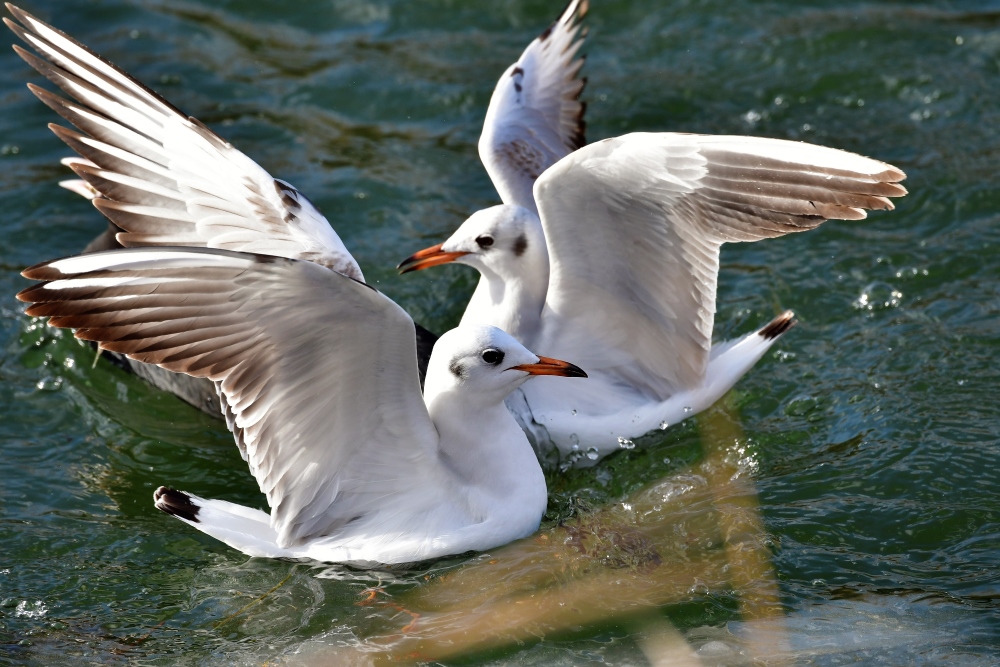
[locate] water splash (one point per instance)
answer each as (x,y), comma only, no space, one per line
(35,609)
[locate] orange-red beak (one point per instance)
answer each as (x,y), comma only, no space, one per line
(427,258)
(550,366)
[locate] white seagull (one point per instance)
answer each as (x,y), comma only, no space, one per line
(318,376)
(609,254)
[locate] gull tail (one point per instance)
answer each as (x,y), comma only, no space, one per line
(244,529)
(731,360)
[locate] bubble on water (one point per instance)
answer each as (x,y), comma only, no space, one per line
(625,443)
(35,609)
(664,426)
(714,649)
(699,589)
(592,453)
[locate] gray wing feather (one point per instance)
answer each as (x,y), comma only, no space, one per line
(163,177)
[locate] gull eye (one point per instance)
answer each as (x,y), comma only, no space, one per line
(492,356)
(485,241)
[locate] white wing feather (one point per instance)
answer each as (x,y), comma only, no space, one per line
(634,226)
(164,178)
(317,371)
(535,116)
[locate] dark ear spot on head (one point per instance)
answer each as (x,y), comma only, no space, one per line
(457,370)
(520,245)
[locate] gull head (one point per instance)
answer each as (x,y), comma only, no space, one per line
(487,363)
(501,239)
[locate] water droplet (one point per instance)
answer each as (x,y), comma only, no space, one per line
(574,413)
(592,453)
(878,296)
(687,411)
(49,384)
(625,443)
(575,440)
(664,426)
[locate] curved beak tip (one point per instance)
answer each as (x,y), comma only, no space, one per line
(550,366)
(426,258)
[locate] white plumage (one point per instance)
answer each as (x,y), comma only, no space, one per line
(318,376)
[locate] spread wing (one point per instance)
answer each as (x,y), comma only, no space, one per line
(535,116)
(317,372)
(634,226)
(163,177)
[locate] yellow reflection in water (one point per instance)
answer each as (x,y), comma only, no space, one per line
(695,532)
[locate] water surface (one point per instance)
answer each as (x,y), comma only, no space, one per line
(872,433)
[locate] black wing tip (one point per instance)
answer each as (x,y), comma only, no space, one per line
(778,326)
(175,503)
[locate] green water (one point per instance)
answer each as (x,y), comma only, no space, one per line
(873,432)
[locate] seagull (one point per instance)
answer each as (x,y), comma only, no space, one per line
(317,372)
(609,253)
(164,179)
